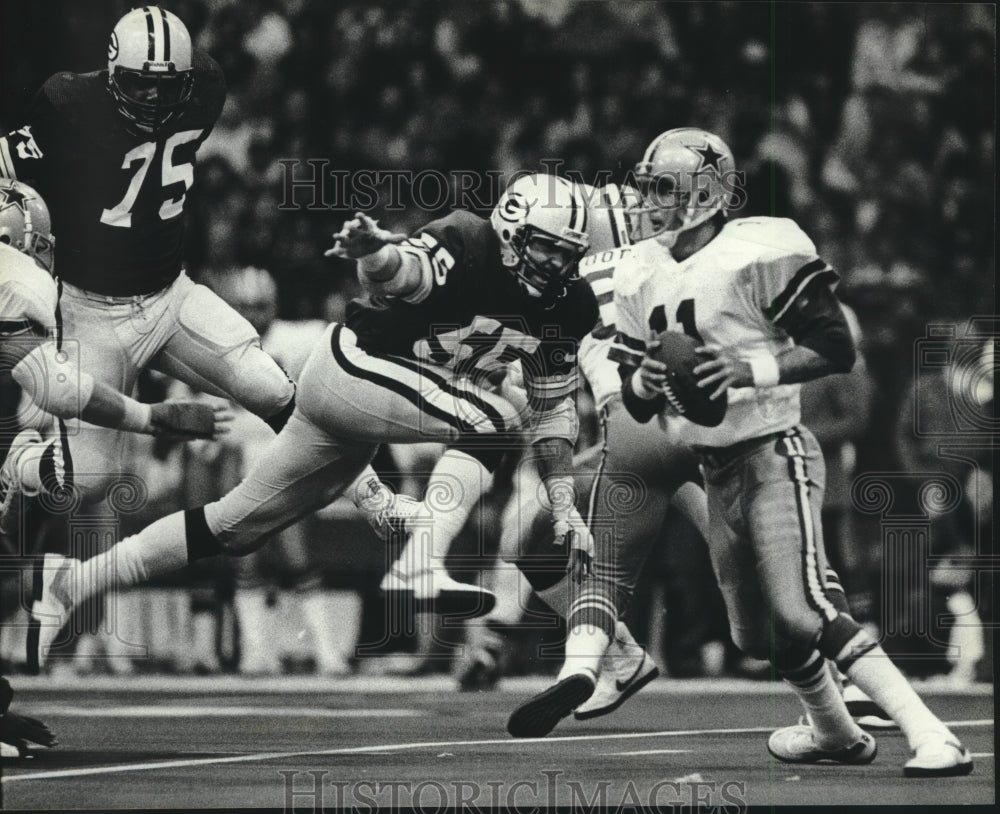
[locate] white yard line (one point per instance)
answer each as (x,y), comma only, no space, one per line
(165,711)
(392,747)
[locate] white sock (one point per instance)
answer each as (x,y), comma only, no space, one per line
(821,697)
(585,646)
(159,548)
(454,489)
(876,675)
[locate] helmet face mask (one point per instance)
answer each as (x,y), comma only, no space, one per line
(541,222)
(686,177)
(150,71)
(25,223)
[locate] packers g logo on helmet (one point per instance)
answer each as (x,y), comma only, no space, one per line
(541,223)
(150,70)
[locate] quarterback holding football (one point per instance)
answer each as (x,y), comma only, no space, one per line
(760,303)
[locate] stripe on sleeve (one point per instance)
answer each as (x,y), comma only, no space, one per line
(799,281)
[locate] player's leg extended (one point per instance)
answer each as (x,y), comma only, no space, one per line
(937,751)
(215,350)
(390,399)
(302,470)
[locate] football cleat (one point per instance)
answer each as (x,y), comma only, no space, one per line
(865,712)
(538,716)
(622,676)
(796,744)
(387,513)
(50,609)
(942,756)
(433,591)
(11,488)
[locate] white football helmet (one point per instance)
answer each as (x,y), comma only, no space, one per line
(25,223)
(149,66)
(541,222)
(685,177)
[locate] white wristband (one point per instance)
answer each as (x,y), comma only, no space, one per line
(640,389)
(764,370)
(138,417)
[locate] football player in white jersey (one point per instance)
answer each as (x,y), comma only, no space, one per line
(756,295)
(33,356)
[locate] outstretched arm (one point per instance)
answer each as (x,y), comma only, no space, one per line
(382,268)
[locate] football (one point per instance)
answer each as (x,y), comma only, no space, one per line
(676,351)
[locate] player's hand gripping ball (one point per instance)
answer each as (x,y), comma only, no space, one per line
(684,396)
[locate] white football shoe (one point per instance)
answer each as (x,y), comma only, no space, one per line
(941,756)
(624,671)
(797,744)
(387,513)
(50,610)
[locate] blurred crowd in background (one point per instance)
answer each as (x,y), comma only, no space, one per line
(872,125)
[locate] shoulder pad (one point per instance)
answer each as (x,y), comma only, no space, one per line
(645,259)
(781,236)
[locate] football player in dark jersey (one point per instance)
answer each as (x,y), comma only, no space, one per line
(113,154)
(32,356)
(461,300)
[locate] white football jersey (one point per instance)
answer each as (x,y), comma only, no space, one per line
(609,244)
(27,291)
(731,293)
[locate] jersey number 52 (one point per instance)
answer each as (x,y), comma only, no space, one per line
(121,214)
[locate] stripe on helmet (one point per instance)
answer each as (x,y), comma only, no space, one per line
(166,36)
(150,35)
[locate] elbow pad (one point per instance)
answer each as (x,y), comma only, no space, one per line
(53,381)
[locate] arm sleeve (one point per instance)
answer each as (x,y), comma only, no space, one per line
(23,151)
(815,320)
(443,249)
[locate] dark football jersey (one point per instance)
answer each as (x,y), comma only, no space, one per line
(470,314)
(117,198)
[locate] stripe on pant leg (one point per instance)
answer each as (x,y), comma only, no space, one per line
(444,384)
(812,580)
(596,484)
(396,387)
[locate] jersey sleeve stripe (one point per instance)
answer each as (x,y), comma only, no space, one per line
(6,164)
(799,281)
(595,276)
(423,290)
(605,297)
